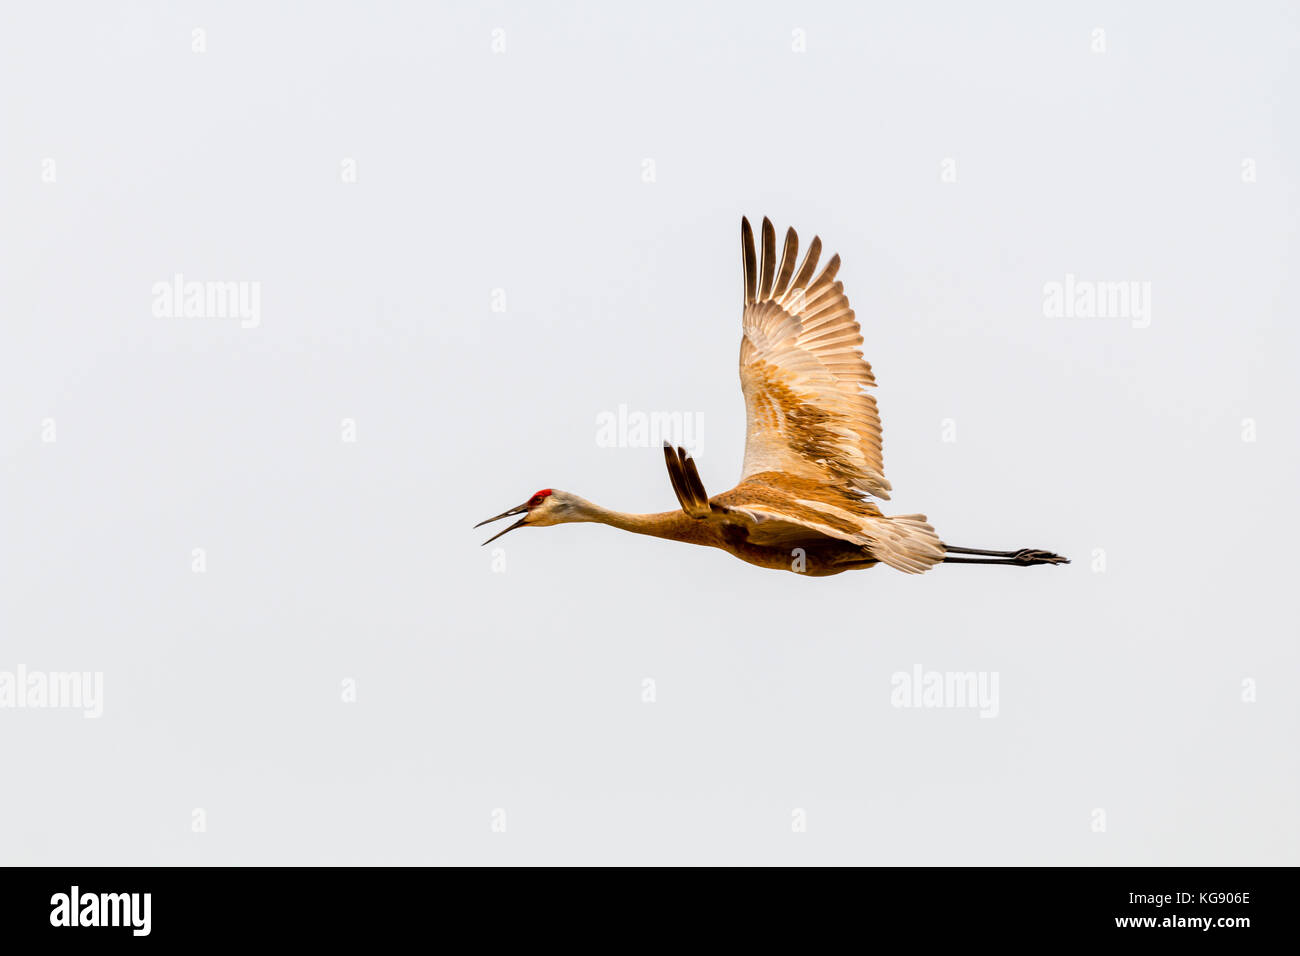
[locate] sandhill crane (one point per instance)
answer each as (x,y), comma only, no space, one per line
(812,451)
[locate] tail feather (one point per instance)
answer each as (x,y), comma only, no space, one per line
(905,542)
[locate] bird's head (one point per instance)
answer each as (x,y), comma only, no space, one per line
(549,506)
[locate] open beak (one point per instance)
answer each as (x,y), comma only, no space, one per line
(521,509)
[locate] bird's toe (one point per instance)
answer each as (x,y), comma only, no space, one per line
(1030,556)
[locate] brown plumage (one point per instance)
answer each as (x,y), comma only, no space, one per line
(813,459)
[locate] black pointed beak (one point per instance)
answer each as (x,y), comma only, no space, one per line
(521,509)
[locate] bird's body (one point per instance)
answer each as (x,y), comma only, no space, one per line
(810,553)
(813,447)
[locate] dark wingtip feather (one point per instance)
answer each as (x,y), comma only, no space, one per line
(788,256)
(828,274)
(767,266)
(747,254)
(810,258)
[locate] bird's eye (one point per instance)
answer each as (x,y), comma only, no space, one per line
(534,501)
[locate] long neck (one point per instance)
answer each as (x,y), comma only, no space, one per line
(665,524)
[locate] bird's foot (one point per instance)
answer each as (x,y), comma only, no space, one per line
(1028,556)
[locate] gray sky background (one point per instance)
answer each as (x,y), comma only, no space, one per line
(481,689)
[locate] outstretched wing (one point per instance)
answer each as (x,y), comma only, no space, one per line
(802,373)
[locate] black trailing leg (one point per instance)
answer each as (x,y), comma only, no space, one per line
(1023,558)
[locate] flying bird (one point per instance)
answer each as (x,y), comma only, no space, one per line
(806,501)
